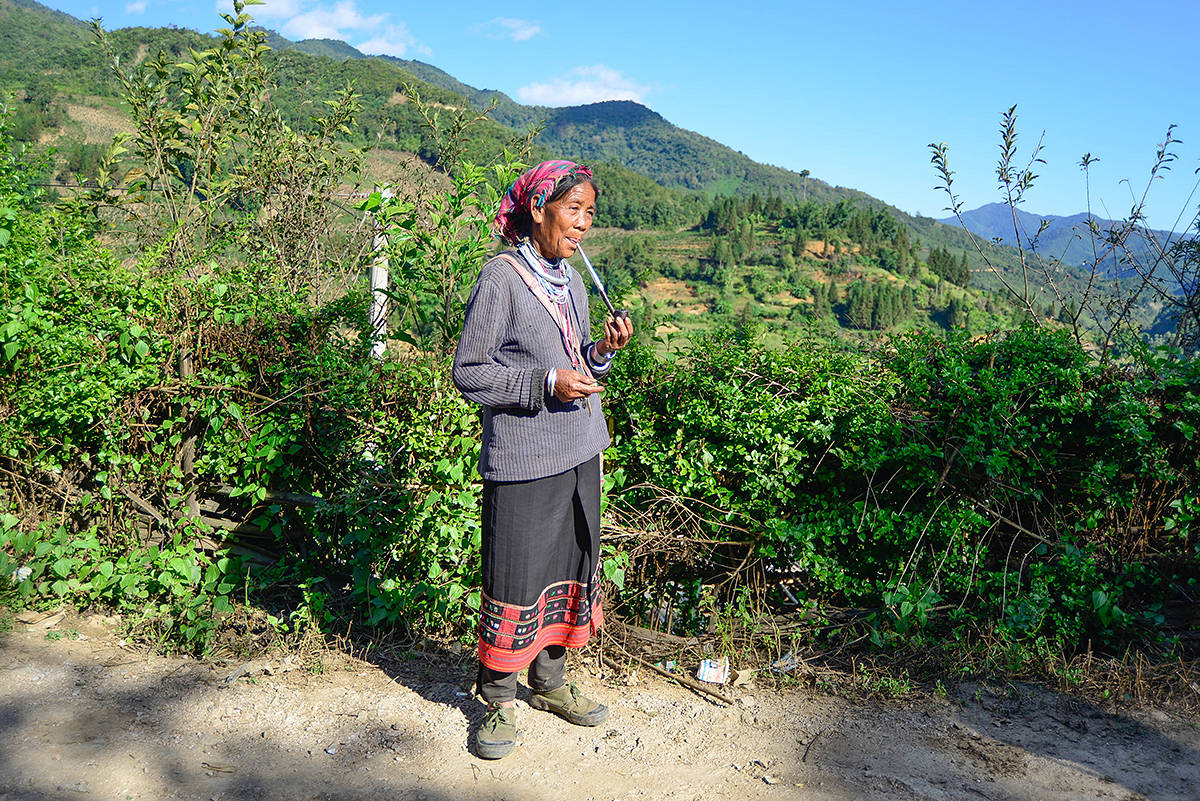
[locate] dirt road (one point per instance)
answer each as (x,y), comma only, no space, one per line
(91,718)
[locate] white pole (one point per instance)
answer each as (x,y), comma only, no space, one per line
(379,286)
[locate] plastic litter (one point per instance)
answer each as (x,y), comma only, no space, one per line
(713,671)
(784,664)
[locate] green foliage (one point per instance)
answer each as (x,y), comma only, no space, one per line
(411,536)
(281,397)
(1004,477)
(173,590)
(94,409)
(437,245)
(942,263)
(216,163)
(877,306)
(77,345)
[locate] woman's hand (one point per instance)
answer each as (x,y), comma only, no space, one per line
(570,385)
(617,333)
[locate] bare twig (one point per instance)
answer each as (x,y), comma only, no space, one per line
(686,681)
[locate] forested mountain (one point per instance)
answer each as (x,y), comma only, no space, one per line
(63,58)
(623,131)
(790,233)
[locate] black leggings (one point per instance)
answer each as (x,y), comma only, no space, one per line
(546,673)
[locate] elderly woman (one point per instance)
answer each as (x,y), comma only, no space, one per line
(527,357)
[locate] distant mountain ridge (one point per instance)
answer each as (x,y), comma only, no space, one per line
(1066,238)
(654,171)
(624,131)
(655,175)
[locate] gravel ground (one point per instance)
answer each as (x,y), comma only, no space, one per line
(95,718)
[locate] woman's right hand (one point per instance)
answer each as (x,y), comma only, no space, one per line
(570,385)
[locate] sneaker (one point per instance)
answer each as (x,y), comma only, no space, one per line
(498,734)
(569,703)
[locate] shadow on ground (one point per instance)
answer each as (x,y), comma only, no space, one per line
(72,728)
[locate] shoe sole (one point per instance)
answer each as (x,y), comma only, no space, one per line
(593,718)
(490,750)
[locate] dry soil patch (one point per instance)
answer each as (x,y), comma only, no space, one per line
(93,718)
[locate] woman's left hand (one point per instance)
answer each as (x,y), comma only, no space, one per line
(617,333)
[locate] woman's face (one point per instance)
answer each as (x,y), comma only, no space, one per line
(558,226)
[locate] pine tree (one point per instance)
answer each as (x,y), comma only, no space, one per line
(879,316)
(859,305)
(820,305)
(956,313)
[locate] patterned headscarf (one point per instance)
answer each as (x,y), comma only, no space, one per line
(537,183)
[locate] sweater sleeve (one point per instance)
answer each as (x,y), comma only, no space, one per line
(477,374)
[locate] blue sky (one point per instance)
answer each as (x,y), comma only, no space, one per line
(853,92)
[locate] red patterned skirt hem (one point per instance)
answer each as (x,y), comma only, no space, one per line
(510,637)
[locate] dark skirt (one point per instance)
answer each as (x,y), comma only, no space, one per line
(541,559)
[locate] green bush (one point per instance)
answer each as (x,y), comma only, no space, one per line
(1010,476)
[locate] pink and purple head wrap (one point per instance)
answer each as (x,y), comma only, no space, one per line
(535,184)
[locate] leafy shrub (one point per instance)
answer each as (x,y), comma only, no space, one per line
(174,589)
(1009,476)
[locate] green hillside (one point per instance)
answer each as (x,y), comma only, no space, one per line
(36,41)
(67,99)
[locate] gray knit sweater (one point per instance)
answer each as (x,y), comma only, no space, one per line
(509,344)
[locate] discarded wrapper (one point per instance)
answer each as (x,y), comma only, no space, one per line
(668,665)
(714,672)
(741,677)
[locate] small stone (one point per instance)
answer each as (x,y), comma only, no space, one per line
(78,787)
(769,779)
(331,749)
(748,701)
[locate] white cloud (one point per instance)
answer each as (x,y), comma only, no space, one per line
(518,30)
(335,23)
(583,85)
(276,9)
(393,40)
(270,10)
(136,7)
(309,19)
